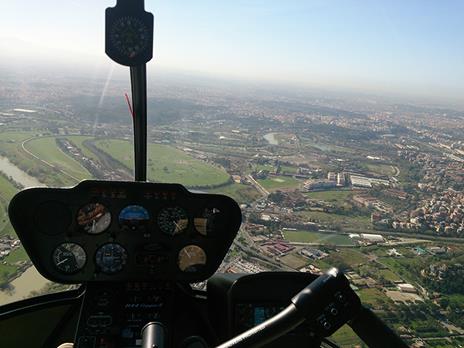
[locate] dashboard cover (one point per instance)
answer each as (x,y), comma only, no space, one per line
(124,231)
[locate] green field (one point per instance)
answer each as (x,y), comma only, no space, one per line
(343,258)
(17,255)
(373,297)
(241,193)
(358,223)
(11,147)
(381,169)
(330,195)
(294,261)
(346,338)
(7,191)
(168,164)
(318,238)
(273,183)
(47,150)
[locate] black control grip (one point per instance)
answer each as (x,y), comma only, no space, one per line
(328,302)
(153,335)
(374,332)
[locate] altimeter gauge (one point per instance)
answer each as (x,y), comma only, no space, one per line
(69,258)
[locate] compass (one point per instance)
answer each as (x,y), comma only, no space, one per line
(129,33)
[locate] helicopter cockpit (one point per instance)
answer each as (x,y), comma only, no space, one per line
(138,249)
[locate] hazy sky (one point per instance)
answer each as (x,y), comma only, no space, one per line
(403,46)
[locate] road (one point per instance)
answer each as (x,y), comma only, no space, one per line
(257,185)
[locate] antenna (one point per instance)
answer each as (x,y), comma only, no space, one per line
(129,41)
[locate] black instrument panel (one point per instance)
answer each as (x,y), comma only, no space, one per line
(122,231)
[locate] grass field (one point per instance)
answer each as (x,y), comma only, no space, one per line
(10,147)
(294,261)
(344,258)
(17,255)
(330,195)
(381,169)
(318,238)
(241,193)
(374,298)
(47,150)
(273,183)
(7,191)
(343,222)
(167,164)
(345,337)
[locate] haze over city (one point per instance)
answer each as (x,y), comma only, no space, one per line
(412,48)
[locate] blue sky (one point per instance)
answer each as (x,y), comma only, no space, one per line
(404,46)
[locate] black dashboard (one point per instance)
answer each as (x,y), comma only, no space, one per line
(123,231)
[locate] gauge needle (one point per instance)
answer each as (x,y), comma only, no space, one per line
(62,261)
(177,226)
(188,255)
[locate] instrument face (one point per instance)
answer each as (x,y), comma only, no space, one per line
(129,33)
(124,231)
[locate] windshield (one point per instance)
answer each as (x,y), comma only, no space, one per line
(336,125)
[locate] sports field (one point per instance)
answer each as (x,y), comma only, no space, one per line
(273,183)
(167,164)
(318,238)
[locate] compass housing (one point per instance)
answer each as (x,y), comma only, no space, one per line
(129,33)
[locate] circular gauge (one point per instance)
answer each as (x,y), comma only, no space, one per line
(190,258)
(134,216)
(111,258)
(130,36)
(173,220)
(207,222)
(69,258)
(94,218)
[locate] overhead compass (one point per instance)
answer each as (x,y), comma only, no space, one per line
(129,33)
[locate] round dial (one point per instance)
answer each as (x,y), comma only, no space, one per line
(134,216)
(190,258)
(207,222)
(69,258)
(173,220)
(129,36)
(94,218)
(111,258)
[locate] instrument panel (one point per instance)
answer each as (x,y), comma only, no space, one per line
(124,231)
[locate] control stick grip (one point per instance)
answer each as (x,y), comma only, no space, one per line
(153,335)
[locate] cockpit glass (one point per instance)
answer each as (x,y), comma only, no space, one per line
(337,126)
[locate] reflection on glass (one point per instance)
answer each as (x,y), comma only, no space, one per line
(94,218)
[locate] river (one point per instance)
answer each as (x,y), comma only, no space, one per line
(271,139)
(30,280)
(17,174)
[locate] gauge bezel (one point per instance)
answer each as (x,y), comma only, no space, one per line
(205,255)
(61,270)
(99,249)
(173,234)
(108,211)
